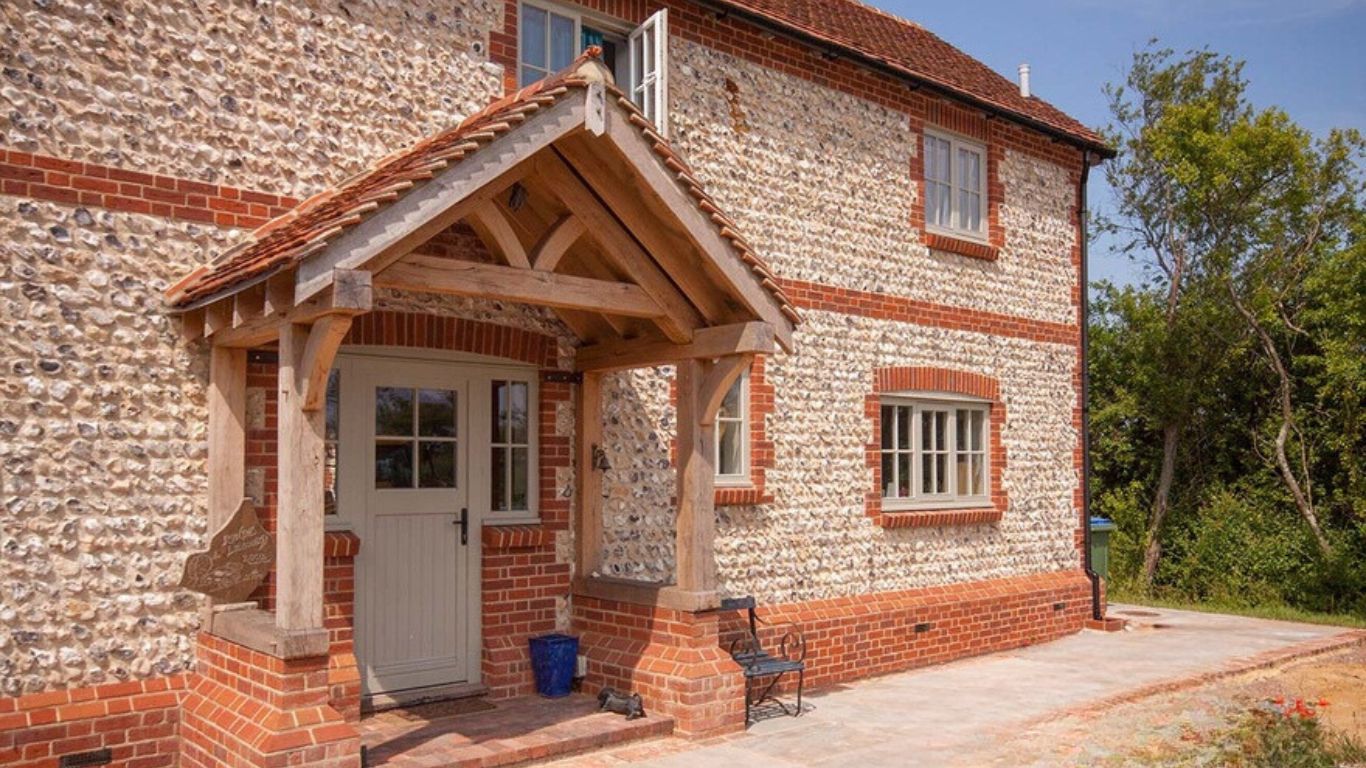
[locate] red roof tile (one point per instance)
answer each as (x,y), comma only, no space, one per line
(308,228)
(917,52)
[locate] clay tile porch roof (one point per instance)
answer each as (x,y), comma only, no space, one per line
(914,51)
(287,241)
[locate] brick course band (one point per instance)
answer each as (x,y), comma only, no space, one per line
(137,719)
(883,306)
(106,186)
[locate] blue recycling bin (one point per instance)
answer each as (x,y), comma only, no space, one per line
(553,659)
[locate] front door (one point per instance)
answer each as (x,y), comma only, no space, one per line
(415,575)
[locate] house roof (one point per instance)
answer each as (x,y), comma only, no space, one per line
(321,219)
(915,51)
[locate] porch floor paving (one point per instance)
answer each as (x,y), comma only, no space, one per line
(501,733)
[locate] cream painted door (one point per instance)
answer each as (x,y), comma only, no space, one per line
(416,571)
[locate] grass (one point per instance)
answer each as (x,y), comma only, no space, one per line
(1275,611)
(1272,735)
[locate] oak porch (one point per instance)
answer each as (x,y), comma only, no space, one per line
(586,211)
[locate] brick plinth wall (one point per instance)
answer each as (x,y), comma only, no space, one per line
(246,708)
(137,721)
(339,617)
(852,637)
(673,659)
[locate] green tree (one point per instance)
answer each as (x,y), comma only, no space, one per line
(1229,388)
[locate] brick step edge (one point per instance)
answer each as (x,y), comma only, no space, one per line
(648,729)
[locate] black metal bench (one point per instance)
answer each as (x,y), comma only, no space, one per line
(758,664)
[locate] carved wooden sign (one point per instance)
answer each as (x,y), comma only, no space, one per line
(239,556)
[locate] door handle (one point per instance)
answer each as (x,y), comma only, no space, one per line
(464,523)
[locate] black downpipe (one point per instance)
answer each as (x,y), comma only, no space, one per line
(1084,222)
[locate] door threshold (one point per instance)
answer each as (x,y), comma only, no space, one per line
(415,696)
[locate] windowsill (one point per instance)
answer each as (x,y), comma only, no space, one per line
(962,246)
(502,536)
(745,495)
(931,518)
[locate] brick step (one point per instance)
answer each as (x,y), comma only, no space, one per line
(506,733)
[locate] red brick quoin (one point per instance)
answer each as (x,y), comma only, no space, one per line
(931,380)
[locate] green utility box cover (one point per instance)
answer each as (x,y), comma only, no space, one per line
(1100,545)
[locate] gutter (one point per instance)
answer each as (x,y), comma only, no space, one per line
(917,81)
(1097,610)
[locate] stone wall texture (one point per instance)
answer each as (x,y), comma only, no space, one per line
(102,412)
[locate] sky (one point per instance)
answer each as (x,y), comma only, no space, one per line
(1307,57)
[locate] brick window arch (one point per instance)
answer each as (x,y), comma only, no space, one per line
(930,380)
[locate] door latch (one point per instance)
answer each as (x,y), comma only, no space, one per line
(464,523)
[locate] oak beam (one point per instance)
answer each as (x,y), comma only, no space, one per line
(227,433)
(667,242)
(621,248)
(661,180)
(324,339)
(349,292)
(588,479)
(707,343)
(489,223)
(299,515)
(554,244)
(468,278)
(695,529)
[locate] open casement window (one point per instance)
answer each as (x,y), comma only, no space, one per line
(732,435)
(955,186)
(649,71)
(934,453)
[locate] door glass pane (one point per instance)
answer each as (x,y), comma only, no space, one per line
(436,413)
(562,47)
(499,411)
(393,412)
(499,478)
(519,478)
(519,413)
(394,464)
(436,468)
(533,36)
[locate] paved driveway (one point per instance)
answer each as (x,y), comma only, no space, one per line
(964,713)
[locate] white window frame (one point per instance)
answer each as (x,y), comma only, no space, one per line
(741,478)
(957,186)
(951,498)
(655,104)
(549,8)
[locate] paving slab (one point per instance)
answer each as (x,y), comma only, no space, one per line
(959,714)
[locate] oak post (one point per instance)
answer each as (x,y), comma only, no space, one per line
(299,512)
(227,433)
(588,479)
(696,528)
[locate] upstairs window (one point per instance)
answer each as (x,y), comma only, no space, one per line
(955,186)
(552,35)
(934,453)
